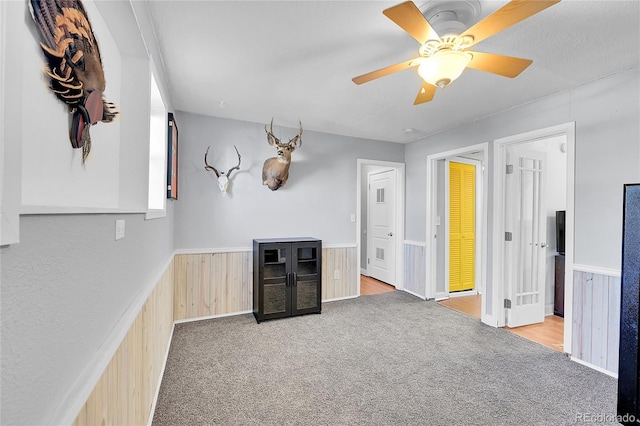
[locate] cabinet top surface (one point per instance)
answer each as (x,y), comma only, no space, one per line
(285,240)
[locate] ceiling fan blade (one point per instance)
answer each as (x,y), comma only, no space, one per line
(364,78)
(506,66)
(508,15)
(425,94)
(409,18)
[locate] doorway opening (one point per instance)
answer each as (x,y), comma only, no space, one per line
(558,144)
(380,254)
(462,219)
(381,224)
(369,286)
(456,223)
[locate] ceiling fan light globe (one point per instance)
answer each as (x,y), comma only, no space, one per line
(443,67)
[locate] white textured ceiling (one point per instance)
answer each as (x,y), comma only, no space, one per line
(294,60)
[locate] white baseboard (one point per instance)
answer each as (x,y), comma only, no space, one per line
(595,367)
(230,314)
(548,309)
(164,365)
(414,294)
(339,298)
(464,293)
(441,296)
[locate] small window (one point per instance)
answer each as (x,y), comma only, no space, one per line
(157,153)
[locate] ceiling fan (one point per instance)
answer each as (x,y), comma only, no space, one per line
(441,60)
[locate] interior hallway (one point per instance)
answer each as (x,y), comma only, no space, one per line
(549,333)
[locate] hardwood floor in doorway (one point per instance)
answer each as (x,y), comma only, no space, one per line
(469,305)
(549,333)
(370,285)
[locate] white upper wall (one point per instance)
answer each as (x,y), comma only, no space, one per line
(317,200)
(606,115)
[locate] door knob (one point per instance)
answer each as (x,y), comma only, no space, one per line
(543,245)
(391,234)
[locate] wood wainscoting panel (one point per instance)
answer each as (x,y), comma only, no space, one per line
(211,284)
(596,319)
(415,269)
(343,260)
(124,393)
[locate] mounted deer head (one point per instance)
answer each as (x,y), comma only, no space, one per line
(275,171)
(223,178)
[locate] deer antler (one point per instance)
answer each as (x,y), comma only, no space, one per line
(297,140)
(236,167)
(210,167)
(271,138)
(218,174)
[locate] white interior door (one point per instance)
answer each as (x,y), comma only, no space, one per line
(381,245)
(525,236)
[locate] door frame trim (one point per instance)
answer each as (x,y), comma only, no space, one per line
(499,164)
(400,202)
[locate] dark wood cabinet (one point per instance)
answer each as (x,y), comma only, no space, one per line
(558,301)
(287,277)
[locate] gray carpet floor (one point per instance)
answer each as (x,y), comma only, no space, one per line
(388,359)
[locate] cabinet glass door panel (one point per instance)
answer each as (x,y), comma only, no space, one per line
(307,261)
(278,270)
(306,294)
(275,298)
(307,253)
(306,268)
(275,263)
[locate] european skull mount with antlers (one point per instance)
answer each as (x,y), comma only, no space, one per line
(275,171)
(223,178)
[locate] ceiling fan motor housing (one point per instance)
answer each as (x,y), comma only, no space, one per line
(451,17)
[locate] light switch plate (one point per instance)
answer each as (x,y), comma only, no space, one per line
(119,229)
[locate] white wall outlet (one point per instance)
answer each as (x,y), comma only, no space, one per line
(336,275)
(119,229)
(353,218)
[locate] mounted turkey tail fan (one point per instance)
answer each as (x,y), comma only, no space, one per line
(441,60)
(73,65)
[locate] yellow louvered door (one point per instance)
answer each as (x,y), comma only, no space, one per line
(462,196)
